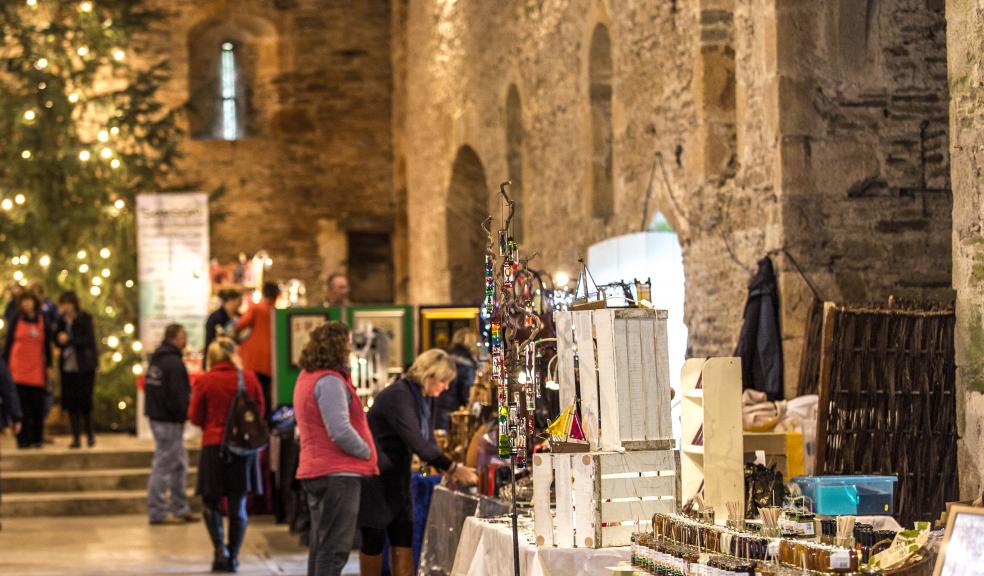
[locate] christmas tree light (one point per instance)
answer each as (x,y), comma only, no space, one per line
(73,104)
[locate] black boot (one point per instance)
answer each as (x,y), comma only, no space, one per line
(87,424)
(73,418)
(213,523)
(237,530)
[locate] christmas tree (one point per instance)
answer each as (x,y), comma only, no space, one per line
(81,133)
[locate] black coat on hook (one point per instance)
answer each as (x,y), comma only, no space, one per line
(760,342)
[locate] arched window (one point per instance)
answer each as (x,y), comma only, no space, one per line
(230,83)
(600,76)
(232,63)
(514,155)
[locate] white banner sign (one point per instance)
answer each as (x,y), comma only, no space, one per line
(172,259)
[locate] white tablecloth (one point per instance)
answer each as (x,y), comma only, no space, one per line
(485,549)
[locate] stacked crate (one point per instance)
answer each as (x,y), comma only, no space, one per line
(615,361)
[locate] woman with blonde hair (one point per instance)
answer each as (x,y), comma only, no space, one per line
(222,474)
(402,423)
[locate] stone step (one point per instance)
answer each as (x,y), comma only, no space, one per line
(94,503)
(79,480)
(84,459)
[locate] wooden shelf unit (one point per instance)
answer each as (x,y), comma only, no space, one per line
(716,467)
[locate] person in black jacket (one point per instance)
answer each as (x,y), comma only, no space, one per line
(75,335)
(168,391)
(222,322)
(402,423)
(463,347)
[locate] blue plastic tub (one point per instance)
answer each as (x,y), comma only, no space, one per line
(850,495)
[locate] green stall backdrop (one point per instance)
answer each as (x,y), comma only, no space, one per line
(290,323)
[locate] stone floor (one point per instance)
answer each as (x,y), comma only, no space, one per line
(128,545)
(111,545)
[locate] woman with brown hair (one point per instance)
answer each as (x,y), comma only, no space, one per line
(28,355)
(75,335)
(223,474)
(337,450)
(402,423)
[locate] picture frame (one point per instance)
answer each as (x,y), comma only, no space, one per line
(300,326)
(963,541)
(438,324)
(393,321)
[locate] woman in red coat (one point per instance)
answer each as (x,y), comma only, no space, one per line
(223,474)
(28,355)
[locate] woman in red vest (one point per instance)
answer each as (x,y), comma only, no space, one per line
(28,354)
(223,474)
(337,450)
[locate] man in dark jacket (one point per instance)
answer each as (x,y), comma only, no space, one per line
(167,393)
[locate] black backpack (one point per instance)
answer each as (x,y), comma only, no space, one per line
(246,431)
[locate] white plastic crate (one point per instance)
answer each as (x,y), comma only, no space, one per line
(621,362)
(602,498)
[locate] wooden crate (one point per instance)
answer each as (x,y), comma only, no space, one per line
(602,498)
(616,361)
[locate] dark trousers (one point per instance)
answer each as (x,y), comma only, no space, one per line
(334,505)
(266,382)
(32,404)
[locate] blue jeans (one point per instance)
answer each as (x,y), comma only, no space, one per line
(169,473)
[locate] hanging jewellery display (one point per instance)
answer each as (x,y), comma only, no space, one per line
(508,305)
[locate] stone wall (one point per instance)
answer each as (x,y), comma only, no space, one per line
(965,32)
(317,162)
(466,56)
(757,125)
(864,154)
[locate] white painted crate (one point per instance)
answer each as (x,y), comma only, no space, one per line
(623,370)
(602,498)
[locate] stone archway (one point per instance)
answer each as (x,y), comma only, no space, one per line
(467,207)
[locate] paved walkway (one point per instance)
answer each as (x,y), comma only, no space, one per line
(118,545)
(111,545)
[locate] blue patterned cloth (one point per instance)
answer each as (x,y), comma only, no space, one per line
(422,489)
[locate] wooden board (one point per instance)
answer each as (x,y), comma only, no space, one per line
(826,363)
(633,391)
(622,462)
(636,511)
(543,475)
(638,487)
(607,390)
(565,358)
(652,417)
(664,420)
(584,336)
(585,487)
(621,535)
(723,461)
(565,501)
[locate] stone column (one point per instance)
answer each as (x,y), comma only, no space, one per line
(965,32)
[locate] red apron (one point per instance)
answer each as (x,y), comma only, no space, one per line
(27,353)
